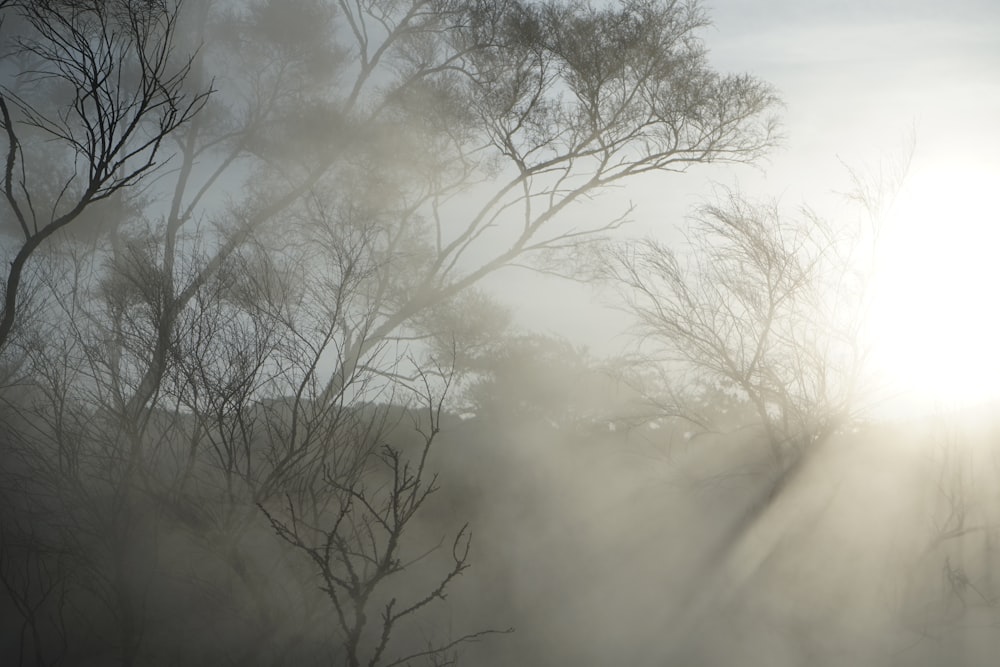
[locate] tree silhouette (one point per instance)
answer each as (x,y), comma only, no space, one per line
(234,332)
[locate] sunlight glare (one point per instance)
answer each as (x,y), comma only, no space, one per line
(936,319)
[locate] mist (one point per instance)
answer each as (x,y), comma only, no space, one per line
(496,333)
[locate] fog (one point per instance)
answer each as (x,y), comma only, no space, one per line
(497,333)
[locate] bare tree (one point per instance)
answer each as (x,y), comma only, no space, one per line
(244,420)
(237,337)
(100,81)
(757,306)
(449,102)
(946,588)
(358,542)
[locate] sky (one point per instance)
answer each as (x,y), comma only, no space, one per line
(860,82)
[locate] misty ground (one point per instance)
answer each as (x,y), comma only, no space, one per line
(646,546)
(625,551)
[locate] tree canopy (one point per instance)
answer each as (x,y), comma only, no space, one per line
(232,229)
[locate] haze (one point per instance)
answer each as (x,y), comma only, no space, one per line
(503,332)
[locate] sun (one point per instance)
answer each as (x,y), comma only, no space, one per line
(935,320)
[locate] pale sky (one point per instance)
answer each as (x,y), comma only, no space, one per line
(857,79)
(853,74)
